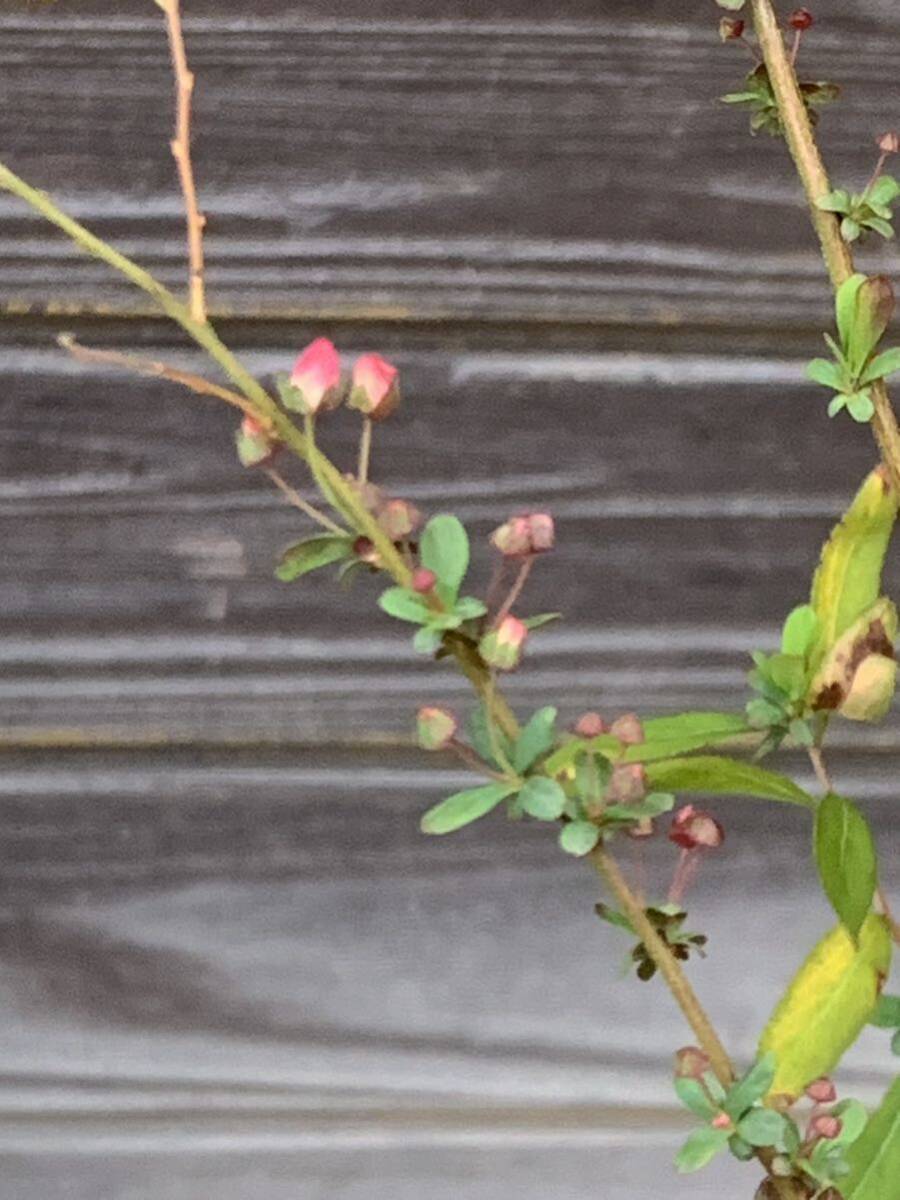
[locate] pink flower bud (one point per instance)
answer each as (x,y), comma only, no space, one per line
(826,1126)
(628,729)
(730,29)
(255,446)
(423,580)
(801,18)
(691,1063)
(376,389)
(822,1091)
(590,725)
(519,537)
(250,427)
(694,829)
(398,519)
(502,647)
(436,728)
(721,1121)
(317,377)
(628,784)
(889,142)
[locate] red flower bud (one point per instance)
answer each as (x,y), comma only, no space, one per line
(822,1091)
(628,729)
(628,784)
(826,1126)
(590,725)
(376,389)
(519,537)
(398,519)
(317,377)
(423,580)
(691,1063)
(694,829)
(889,142)
(721,1121)
(801,18)
(502,647)
(730,29)
(436,728)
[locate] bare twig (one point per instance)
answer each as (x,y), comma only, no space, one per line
(516,590)
(181,152)
(294,497)
(365,451)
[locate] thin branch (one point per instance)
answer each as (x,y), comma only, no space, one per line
(516,590)
(294,497)
(668,967)
(181,152)
(365,451)
(808,161)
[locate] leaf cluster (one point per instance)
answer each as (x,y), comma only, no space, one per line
(668,921)
(864,211)
(758,96)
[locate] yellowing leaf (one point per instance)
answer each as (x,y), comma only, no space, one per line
(827,1005)
(848,579)
(858,673)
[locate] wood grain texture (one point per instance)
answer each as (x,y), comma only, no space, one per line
(421,164)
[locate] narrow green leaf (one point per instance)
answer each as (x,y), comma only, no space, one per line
(725,776)
(882,365)
(881,226)
(465,807)
(542,798)
(752,1086)
(651,806)
(692,1095)
(874,1159)
(535,739)
(836,404)
(845,856)
(800,630)
(540,620)
(845,306)
(579,838)
(444,549)
(469,607)
(837,201)
(873,308)
(884,190)
(482,740)
(822,370)
(312,553)
(405,605)
(701,1147)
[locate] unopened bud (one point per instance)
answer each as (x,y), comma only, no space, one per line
(889,142)
(519,537)
(502,647)
(801,18)
(693,829)
(627,785)
(364,549)
(822,1091)
(691,1063)
(315,382)
(628,729)
(826,1126)
(731,29)
(435,728)
(721,1121)
(423,580)
(590,725)
(254,445)
(398,519)
(376,388)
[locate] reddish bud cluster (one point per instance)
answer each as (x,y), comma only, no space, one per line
(399,519)
(822,1091)
(731,29)
(693,829)
(316,383)
(628,729)
(436,728)
(801,18)
(590,725)
(522,536)
(826,1126)
(691,1063)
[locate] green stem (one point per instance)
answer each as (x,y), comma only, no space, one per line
(811,169)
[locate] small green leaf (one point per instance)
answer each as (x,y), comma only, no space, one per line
(405,605)
(427,640)
(535,739)
(741,1150)
(701,1147)
(444,549)
(887,1014)
(651,806)
(874,1159)
(579,838)
(761,1127)
(837,201)
(468,608)
(884,190)
(480,736)
(800,631)
(850,229)
(836,404)
(725,776)
(845,856)
(752,1086)
(845,307)
(312,553)
(693,1096)
(882,365)
(873,308)
(542,798)
(540,620)
(824,371)
(465,807)
(802,733)
(881,226)
(854,1118)
(860,406)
